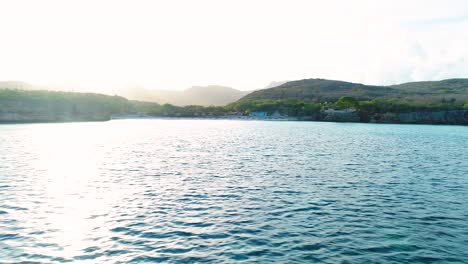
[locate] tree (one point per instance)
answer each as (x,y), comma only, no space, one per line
(347,101)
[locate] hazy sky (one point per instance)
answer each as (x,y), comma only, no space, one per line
(244,44)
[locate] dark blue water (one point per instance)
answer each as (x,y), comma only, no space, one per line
(189,191)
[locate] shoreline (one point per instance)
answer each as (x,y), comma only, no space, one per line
(290,120)
(224,119)
(231,118)
(279,120)
(453,117)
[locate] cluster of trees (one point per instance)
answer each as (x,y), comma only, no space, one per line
(290,107)
(170,110)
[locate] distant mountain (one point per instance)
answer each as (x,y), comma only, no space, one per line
(330,90)
(196,95)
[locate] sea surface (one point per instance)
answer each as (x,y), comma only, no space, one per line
(193,191)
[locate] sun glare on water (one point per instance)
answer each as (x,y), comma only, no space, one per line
(74,191)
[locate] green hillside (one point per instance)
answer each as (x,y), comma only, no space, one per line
(321,90)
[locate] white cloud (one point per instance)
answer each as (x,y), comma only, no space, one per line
(245,44)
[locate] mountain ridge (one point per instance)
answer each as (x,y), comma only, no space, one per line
(215,95)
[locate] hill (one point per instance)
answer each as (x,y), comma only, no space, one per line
(322,90)
(52,106)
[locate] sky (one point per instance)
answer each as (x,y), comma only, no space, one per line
(245,44)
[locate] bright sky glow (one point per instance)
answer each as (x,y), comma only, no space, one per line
(101,44)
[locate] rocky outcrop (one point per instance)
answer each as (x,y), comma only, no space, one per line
(341,116)
(456,117)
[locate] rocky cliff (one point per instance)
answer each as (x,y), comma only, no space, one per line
(457,117)
(339,116)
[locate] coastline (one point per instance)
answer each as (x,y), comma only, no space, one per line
(458,117)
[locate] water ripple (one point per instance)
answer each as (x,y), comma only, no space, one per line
(181,191)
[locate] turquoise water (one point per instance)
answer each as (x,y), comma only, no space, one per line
(189,191)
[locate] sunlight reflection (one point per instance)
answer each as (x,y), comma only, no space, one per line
(72,186)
